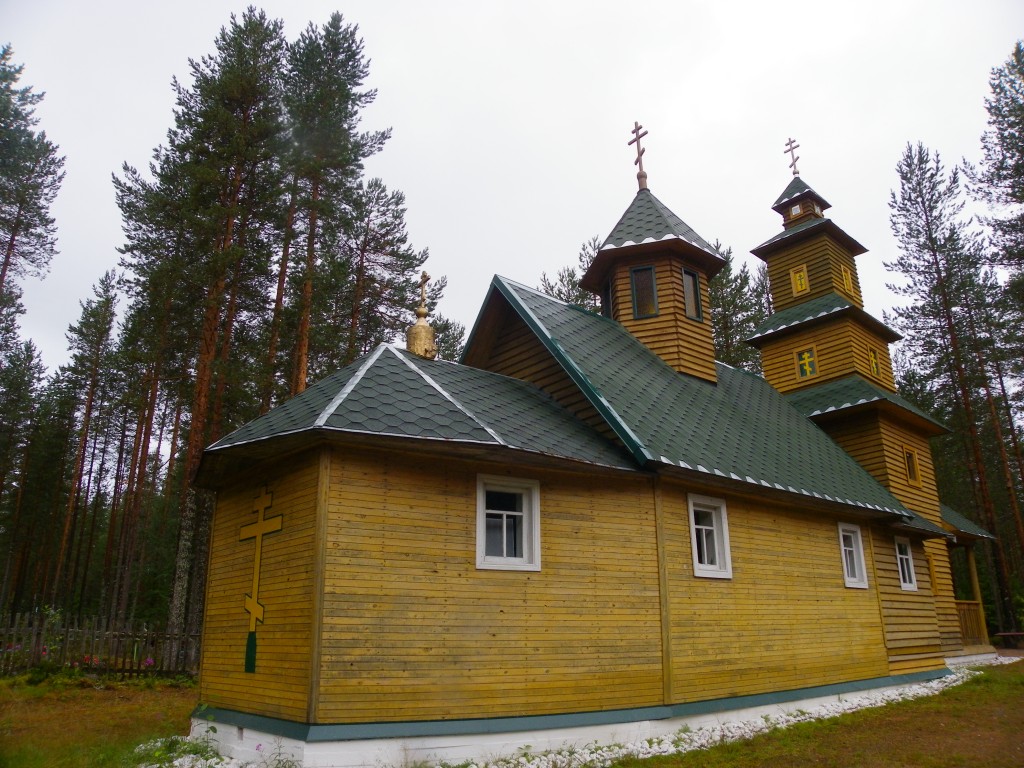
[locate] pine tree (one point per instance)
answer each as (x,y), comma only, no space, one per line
(941,263)
(1000,179)
(735,314)
(326,69)
(566,285)
(31,173)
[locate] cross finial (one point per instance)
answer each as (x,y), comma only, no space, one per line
(424,279)
(791,148)
(638,133)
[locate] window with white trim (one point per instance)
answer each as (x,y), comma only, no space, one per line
(905,562)
(709,537)
(507,523)
(851,547)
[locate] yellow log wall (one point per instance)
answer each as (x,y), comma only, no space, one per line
(280,686)
(412,630)
(842,348)
(785,620)
(824,259)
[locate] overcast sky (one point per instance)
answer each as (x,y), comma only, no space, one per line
(511,119)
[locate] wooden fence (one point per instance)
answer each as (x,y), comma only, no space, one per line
(33,640)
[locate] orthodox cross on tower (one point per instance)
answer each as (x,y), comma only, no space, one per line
(424,279)
(638,133)
(257,530)
(791,148)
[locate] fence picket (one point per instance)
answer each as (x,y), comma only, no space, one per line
(30,640)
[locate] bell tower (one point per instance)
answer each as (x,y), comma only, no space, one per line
(831,359)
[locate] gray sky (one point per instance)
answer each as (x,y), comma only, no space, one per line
(511,119)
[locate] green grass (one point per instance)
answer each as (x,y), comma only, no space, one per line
(978,724)
(71,722)
(65,723)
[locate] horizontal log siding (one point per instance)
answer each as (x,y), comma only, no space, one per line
(517,352)
(912,636)
(824,259)
(877,444)
(683,343)
(784,620)
(838,346)
(412,630)
(280,685)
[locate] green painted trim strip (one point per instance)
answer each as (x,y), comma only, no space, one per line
(358,731)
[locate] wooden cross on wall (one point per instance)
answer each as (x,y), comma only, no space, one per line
(257,530)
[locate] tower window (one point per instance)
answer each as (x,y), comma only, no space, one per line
(806,363)
(799,279)
(875,362)
(691,295)
(645,294)
(795,210)
(912,465)
(847,279)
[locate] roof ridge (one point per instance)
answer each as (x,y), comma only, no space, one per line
(349,386)
(445,394)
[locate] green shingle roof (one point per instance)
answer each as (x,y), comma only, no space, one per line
(648,220)
(806,229)
(849,392)
(799,188)
(815,309)
(392,393)
(741,428)
(962,524)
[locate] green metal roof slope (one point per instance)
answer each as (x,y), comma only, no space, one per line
(393,393)
(649,220)
(804,230)
(816,308)
(849,392)
(963,524)
(741,429)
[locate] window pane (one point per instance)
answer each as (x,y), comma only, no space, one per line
(494,543)
(691,294)
(513,535)
(504,501)
(644,301)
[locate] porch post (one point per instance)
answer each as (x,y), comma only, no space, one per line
(972,569)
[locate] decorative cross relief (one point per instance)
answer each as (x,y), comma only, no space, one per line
(638,133)
(257,530)
(791,148)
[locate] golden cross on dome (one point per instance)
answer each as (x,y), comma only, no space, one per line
(791,148)
(424,279)
(638,133)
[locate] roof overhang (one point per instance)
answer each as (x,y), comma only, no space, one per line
(597,275)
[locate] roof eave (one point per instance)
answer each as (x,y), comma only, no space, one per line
(594,278)
(791,237)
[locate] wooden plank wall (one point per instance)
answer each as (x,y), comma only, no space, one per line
(842,348)
(824,259)
(412,630)
(877,445)
(785,620)
(517,352)
(685,344)
(912,634)
(280,685)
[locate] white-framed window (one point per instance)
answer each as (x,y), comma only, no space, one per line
(709,537)
(905,562)
(507,523)
(851,546)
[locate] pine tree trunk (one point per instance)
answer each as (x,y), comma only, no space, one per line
(275,320)
(306,305)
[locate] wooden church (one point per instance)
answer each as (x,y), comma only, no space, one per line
(588,529)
